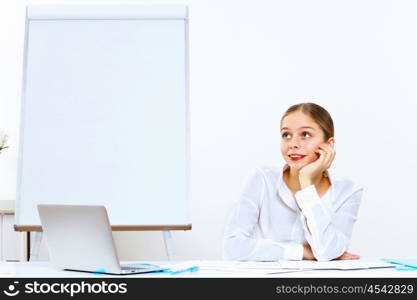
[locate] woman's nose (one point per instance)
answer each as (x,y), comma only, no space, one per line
(294,143)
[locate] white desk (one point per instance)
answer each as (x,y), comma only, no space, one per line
(45,269)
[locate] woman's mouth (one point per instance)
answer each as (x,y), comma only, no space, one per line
(295,157)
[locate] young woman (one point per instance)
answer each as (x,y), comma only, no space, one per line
(302,211)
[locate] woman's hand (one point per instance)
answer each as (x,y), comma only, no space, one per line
(348,255)
(313,172)
(308,254)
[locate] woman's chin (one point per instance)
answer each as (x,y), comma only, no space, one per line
(296,165)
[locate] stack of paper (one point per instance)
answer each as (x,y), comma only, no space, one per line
(282,266)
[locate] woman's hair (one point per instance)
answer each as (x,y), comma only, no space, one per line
(317,113)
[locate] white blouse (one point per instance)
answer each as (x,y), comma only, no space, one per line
(266,223)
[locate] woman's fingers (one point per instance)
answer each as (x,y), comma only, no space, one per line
(330,154)
(352,256)
(323,155)
(324,158)
(348,256)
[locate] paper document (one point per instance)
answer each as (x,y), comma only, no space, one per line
(335,264)
(283,266)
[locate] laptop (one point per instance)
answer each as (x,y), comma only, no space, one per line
(79,238)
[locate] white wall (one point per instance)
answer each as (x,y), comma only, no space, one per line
(249,61)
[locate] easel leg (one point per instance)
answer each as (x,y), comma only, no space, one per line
(27,246)
(168,244)
(36,245)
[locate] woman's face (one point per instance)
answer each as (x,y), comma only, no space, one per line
(300,138)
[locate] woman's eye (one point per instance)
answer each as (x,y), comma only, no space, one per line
(285,135)
(306,134)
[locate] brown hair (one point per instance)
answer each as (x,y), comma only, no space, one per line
(317,113)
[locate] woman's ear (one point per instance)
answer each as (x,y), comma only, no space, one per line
(331,142)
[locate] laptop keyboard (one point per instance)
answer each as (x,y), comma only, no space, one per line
(132,268)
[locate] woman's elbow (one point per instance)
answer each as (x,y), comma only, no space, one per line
(324,257)
(330,249)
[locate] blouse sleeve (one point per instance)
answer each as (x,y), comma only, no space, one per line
(328,232)
(240,241)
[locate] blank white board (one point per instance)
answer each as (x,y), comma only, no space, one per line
(105,112)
